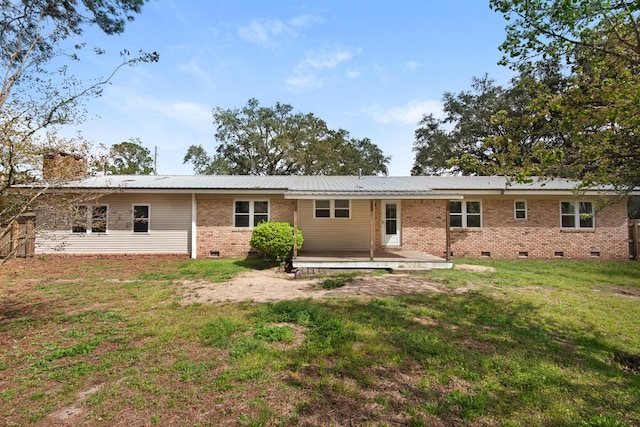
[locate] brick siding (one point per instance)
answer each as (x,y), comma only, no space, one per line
(502,236)
(424,229)
(215,231)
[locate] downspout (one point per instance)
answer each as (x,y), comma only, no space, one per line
(295,231)
(194,217)
(448,230)
(372,227)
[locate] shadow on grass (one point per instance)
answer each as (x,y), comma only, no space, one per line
(463,358)
(256,263)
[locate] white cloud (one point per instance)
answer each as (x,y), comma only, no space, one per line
(192,68)
(411,113)
(305,75)
(353,74)
(304,81)
(327,58)
(266,32)
(411,65)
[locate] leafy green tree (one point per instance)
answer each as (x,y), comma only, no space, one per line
(472,137)
(257,140)
(599,43)
(129,158)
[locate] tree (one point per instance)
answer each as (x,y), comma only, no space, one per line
(129,158)
(599,43)
(472,137)
(36,97)
(258,140)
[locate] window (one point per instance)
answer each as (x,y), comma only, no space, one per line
(332,209)
(140,218)
(79,220)
(249,213)
(576,215)
(90,219)
(520,209)
(465,214)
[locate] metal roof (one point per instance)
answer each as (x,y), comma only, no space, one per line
(309,186)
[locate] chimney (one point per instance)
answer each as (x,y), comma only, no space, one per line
(61,165)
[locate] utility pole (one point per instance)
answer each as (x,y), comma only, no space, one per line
(155,161)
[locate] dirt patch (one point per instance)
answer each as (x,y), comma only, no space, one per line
(274,285)
(474,268)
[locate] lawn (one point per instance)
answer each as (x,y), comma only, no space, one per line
(110,342)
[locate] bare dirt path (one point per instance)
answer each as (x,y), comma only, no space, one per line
(273,285)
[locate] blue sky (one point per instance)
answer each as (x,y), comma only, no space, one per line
(373,68)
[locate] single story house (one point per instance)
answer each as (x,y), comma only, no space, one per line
(368,217)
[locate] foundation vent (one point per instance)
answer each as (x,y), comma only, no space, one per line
(523,254)
(214,254)
(558,254)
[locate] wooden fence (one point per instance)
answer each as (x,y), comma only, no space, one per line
(634,240)
(20,240)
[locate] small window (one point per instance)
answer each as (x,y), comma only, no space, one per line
(332,209)
(141,218)
(249,213)
(576,215)
(99,219)
(465,214)
(90,219)
(341,208)
(79,220)
(323,208)
(520,209)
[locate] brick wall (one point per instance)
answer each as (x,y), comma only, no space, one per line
(214,225)
(502,236)
(423,228)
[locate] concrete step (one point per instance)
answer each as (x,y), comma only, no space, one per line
(410,270)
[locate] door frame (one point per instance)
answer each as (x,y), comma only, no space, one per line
(383,226)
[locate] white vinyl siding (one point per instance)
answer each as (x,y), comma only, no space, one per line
(335,234)
(170,228)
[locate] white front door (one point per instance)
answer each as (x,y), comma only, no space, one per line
(390,222)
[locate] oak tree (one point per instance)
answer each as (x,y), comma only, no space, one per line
(255,140)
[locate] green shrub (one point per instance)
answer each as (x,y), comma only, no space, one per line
(276,239)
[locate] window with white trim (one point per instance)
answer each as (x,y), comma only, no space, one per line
(520,209)
(141,217)
(249,213)
(332,208)
(90,219)
(576,215)
(465,214)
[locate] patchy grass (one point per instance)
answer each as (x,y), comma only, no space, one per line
(533,343)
